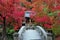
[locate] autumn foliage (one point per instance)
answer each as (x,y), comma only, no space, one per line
(13,12)
(46,12)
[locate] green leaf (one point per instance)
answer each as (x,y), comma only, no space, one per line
(7,30)
(45,9)
(10,31)
(50,14)
(56,30)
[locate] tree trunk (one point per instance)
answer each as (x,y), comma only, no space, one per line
(4,37)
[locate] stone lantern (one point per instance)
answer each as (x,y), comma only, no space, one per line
(31,32)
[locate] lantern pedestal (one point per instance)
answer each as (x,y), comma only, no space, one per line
(50,35)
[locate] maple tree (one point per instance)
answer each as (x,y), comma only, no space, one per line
(12,10)
(47,12)
(11,13)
